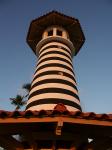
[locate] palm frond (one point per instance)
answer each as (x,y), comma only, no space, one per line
(27,87)
(18,101)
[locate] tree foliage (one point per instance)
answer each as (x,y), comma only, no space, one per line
(19,100)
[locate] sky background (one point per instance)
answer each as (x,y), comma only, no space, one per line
(93,64)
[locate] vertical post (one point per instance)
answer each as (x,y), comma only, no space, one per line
(19,148)
(45,35)
(34,146)
(73,148)
(54,145)
(54,32)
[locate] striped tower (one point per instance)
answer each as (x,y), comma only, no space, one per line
(54,79)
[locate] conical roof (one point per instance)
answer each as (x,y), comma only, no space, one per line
(72,26)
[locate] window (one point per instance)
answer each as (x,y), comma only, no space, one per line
(59,33)
(50,33)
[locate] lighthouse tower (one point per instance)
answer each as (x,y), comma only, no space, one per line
(55,39)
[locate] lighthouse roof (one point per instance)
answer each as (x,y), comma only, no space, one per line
(72,26)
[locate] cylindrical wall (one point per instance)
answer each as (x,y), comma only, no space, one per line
(54,80)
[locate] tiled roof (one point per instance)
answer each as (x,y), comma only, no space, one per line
(59,110)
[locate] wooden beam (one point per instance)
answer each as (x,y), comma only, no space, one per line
(57,119)
(9,143)
(59,127)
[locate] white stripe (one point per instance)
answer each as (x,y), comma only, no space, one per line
(50,107)
(57,44)
(58,76)
(54,69)
(54,85)
(54,55)
(54,49)
(53,95)
(56,61)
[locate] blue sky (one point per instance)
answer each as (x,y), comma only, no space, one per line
(93,64)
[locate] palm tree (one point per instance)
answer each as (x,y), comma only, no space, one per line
(19,100)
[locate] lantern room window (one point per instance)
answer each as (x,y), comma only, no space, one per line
(54,31)
(59,32)
(50,33)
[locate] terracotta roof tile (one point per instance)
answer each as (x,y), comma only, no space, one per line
(59,110)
